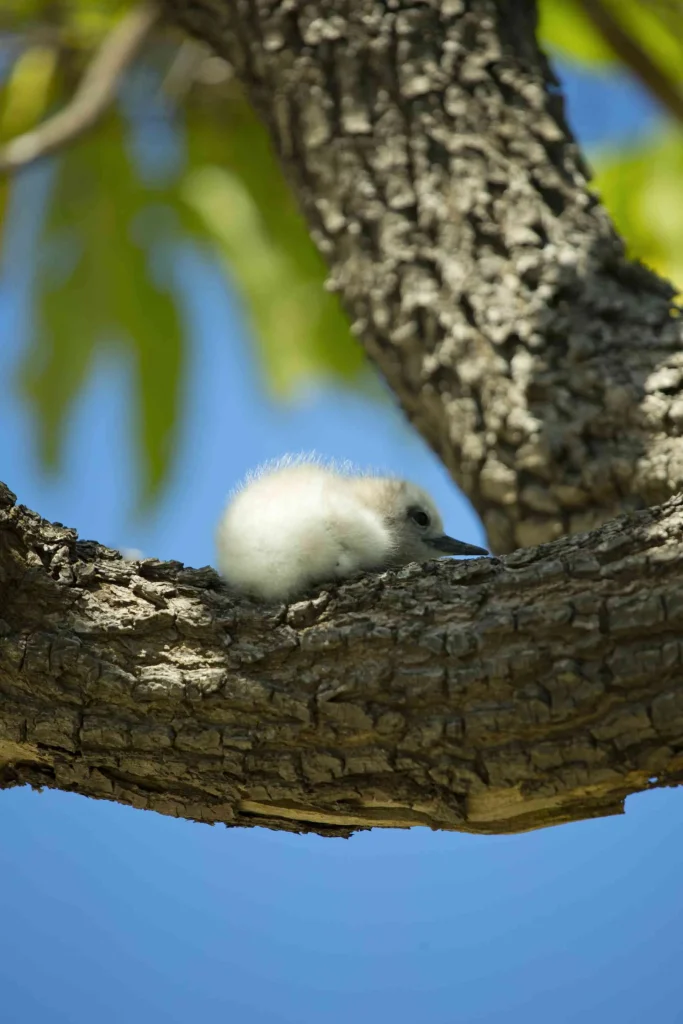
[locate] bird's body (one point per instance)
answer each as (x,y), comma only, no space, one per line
(299,522)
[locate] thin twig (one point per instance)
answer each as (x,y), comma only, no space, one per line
(639,62)
(94,94)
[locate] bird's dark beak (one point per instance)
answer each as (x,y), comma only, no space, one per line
(451,546)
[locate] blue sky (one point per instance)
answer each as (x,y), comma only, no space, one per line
(113,915)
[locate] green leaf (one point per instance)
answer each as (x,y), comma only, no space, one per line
(106,294)
(657,28)
(25,97)
(300,328)
(565,30)
(641,188)
(654,26)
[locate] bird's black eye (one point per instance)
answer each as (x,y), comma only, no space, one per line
(420,517)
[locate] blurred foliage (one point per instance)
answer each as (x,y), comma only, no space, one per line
(656,26)
(116,213)
(639,183)
(248,208)
(95,284)
(104,274)
(567,32)
(642,187)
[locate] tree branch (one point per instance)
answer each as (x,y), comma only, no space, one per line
(480,697)
(429,152)
(95,93)
(634,57)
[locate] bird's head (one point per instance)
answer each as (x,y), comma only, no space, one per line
(413,521)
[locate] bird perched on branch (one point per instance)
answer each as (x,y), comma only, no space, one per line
(299,522)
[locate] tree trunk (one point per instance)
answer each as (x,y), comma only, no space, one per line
(483,696)
(429,151)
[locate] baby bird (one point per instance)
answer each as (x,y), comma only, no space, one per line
(298,522)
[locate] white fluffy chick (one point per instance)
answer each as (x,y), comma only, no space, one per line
(298,522)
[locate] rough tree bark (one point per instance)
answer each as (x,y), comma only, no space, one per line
(427,145)
(483,697)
